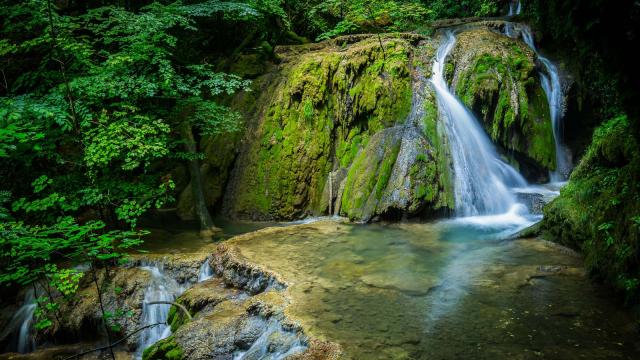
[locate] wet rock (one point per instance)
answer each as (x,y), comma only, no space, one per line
(182,267)
(236,271)
(534,202)
(255,327)
(496,77)
(82,319)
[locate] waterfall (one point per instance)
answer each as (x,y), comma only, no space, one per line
(515,8)
(553,89)
(20,324)
(481,179)
(161,288)
(206,272)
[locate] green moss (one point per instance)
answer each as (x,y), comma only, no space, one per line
(326,103)
(176,318)
(500,84)
(165,349)
(598,211)
(435,182)
(369,175)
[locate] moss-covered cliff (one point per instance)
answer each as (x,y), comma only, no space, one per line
(330,106)
(496,76)
(599,209)
(351,127)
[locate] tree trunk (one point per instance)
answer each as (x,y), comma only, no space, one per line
(200,205)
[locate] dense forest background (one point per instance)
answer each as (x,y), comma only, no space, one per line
(100,102)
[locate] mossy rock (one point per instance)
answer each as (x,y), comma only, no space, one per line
(320,107)
(219,154)
(598,211)
(496,77)
(396,175)
(165,349)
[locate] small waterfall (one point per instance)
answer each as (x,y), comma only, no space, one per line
(553,89)
(288,344)
(162,288)
(515,8)
(481,179)
(206,272)
(20,325)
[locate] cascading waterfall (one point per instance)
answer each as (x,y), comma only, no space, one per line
(162,288)
(20,324)
(553,89)
(206,272)
(481,179)
(515,7)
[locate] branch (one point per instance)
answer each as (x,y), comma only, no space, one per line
(115,343)
(181,307)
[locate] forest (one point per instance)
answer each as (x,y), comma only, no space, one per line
(304,179)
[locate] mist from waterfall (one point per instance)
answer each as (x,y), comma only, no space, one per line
(482,181)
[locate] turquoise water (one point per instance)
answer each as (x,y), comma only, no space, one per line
(443,291)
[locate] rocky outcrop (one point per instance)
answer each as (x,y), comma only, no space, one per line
(240,312)
(316,114)
(496,77)
(351,126)
(331,109)
(598,211)
(122,295)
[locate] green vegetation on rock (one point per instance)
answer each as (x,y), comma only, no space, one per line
(165,349)
(598,211)
(496,77)
(325,106)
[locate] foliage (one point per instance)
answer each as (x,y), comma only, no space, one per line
(598,210)
(91,103)
(373,16)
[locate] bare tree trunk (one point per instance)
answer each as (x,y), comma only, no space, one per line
(102,311)
(197,189)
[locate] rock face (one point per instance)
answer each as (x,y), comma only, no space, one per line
(598,210)
(321,109)
(123,293)
(496,77)
(348,108)
(351,126)
(240,312)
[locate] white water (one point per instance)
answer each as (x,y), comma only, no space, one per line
(482,181)
(515,8)
(553,89)
(263,347)
(206,272)
(162,288)
(20,324)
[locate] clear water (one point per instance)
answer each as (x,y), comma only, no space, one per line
(447,290)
